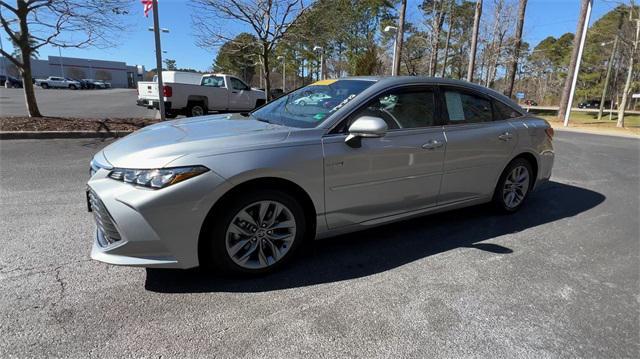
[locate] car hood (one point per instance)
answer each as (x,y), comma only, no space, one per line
(158,145)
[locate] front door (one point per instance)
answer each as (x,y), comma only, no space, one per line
(239,97)
(394,174)
(479,145)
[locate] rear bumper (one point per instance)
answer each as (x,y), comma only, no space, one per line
(151,104)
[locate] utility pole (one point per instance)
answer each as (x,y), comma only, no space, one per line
(156,32)
(627,85)
(576,57)
(609,66)
(399,38)
(474,41)
(522,8)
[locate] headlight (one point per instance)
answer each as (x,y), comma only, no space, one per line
(156,178)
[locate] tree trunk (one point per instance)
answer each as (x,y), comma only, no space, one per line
(435,44)
(25,69)
(627,86)
(513,67)
(564,99)
(446,44)
(266,70)
(474,41)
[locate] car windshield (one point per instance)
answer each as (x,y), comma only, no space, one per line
(308,106)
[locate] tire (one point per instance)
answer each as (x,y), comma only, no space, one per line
(514,186)
(302,103)
(44,86)
(223,246)
(196,109)
(73,87)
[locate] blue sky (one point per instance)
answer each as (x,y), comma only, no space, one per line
(543,18)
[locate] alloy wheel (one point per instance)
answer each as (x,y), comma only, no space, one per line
(516,186)
(260,234)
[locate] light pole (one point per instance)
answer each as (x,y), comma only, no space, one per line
(156,31)
(61,64)
(284,78)
(392,30)
(321,50)
(579,60)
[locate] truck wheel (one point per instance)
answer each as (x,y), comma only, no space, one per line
(45,86)
(196,109)
(259,103)
(73,87)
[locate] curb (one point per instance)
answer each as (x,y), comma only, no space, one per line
(41,135)
(597,132)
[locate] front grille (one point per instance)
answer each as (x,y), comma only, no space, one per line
(107,231)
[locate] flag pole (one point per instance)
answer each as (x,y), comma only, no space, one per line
(156,32)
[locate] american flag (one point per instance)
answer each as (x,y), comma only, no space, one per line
(148,6)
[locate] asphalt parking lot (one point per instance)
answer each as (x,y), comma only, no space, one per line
(559,279)
(110,103)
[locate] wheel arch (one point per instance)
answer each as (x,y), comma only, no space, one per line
(196,98)
(279,183)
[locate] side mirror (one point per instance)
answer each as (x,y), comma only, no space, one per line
(367,126)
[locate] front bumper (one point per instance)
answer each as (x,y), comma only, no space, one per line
(157,228)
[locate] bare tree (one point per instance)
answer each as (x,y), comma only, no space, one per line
(32,24)
(474,40)
(627,85)
(513,66)
(400,37)
(269,20)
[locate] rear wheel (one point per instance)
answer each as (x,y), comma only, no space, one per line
(514,186)
(258,232)
(73,87)
(196,109)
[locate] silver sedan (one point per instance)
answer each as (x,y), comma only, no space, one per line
(241,193)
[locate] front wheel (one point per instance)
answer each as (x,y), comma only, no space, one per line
(73,87)
(514,186)
(257,232)
(44,86)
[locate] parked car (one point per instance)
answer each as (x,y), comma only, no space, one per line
(58,82)
(216,92)
(100,84)
(312,99)
(530,103)
(10,81)
(275,93)
(589,104)
(241,193)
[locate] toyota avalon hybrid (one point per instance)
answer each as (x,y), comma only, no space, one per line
(241,192)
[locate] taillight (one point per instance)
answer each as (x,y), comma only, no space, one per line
(167,91)
(549,132)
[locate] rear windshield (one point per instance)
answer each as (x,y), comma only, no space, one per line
(308,106)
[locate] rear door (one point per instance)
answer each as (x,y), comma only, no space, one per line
(479,144)
(390,175)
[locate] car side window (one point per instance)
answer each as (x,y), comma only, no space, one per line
(503,112)
(213,81)
(400,109)
(463,107)
(237,84)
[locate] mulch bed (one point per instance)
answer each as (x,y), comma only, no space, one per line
(16,123)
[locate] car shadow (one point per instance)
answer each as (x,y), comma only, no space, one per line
(383,248)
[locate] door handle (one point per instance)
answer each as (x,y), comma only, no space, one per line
(505,136)
(432,145)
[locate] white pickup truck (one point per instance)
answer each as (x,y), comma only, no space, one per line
(58,82)
(216,92)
